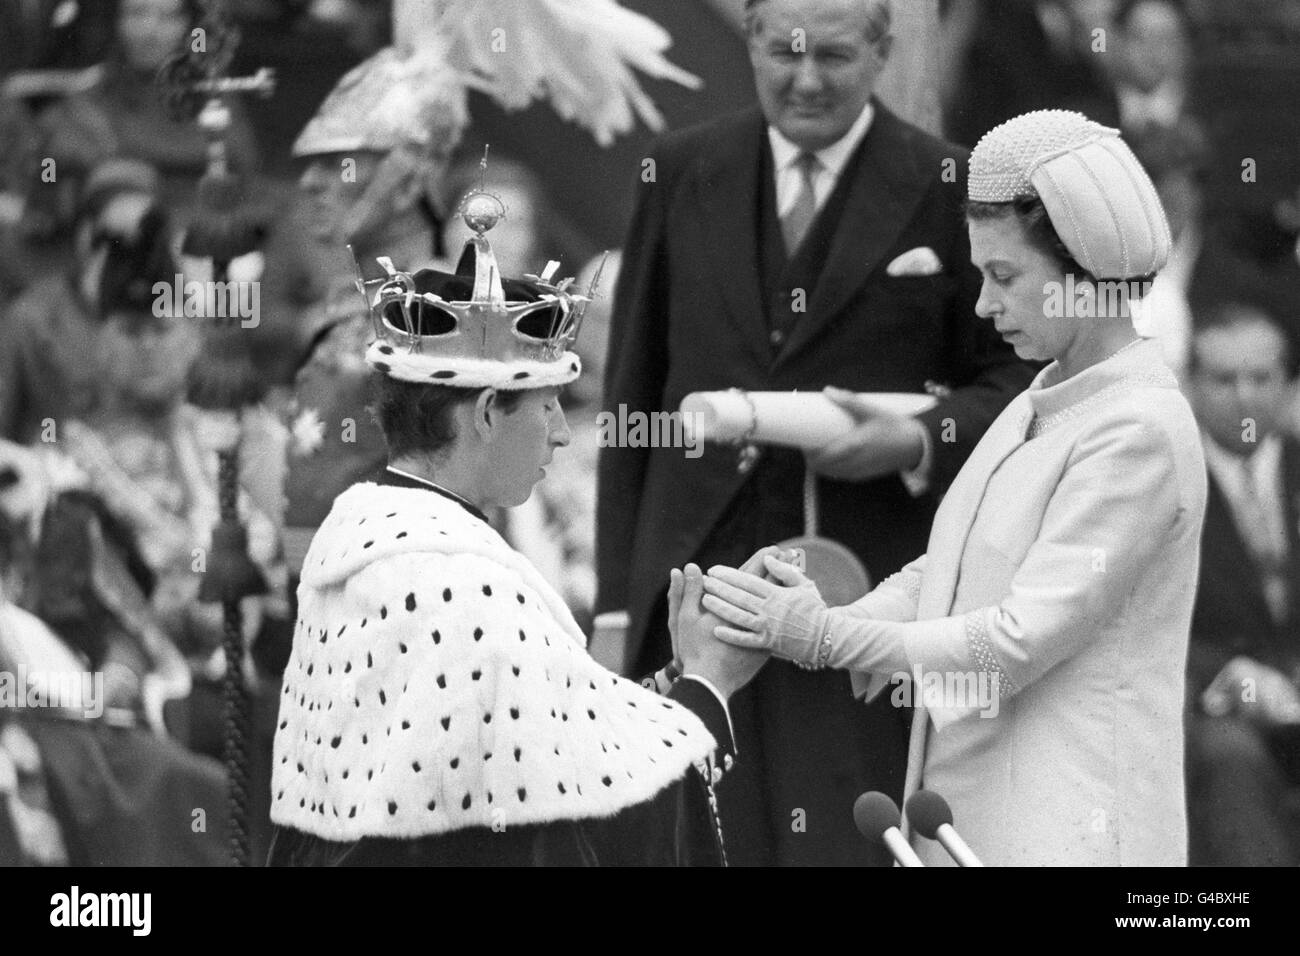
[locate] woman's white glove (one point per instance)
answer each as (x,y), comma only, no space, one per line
(788,617)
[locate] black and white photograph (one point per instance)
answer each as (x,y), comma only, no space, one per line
(651,433)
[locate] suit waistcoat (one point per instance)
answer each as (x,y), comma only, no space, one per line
(781,274)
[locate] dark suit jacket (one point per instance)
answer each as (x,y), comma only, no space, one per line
(689,315)
(1231,616)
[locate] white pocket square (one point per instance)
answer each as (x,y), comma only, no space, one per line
(920,261)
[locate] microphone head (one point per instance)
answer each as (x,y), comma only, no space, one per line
(874,813)
(927,811)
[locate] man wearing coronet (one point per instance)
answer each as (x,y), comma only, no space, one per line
(375,158)
(439,706)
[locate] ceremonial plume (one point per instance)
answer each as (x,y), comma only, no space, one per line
(581,55)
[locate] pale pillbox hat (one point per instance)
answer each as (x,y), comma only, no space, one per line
(1096,193)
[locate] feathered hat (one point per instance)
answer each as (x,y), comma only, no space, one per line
(472,328)
(581,55)
(395,98)
(1096,193)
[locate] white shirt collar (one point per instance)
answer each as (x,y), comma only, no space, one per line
(832,157)
(436,487)
(1161,106)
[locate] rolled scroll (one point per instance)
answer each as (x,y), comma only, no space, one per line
(805,420)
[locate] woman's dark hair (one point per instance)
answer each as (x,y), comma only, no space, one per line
(1043,236)
(135,264)
(417,418)
(1232,311)
(1039,230)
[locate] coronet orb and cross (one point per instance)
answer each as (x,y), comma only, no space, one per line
(472,328)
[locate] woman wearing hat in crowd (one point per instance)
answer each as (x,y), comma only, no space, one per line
(48,342)
(439,705)
(126,115)
(1044,631)
(141,449)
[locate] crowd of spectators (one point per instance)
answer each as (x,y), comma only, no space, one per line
(108,479)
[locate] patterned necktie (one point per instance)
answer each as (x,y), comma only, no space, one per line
(796,222)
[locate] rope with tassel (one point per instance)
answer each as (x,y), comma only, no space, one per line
(226,380)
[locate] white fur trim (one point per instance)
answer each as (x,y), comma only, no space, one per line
(431,369)
(437,682)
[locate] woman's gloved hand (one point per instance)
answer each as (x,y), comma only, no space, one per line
(785,615)
(754,565)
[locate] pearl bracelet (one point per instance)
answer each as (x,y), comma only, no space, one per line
(822,657)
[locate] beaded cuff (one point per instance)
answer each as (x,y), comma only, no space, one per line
(981,649)
(909,581)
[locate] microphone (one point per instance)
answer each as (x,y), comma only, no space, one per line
(930,814)
(877,818)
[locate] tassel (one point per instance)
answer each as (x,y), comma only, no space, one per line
(224,228)
(231,573)
(227,226)
(225,378)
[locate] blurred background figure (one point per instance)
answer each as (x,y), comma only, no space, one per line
(1246,82)
(142,446)
(76,787)
(1176,157)
(1025,55)
(18,132)
(117,504)
(53,34)
(30,834)
(1154,75)
(532,232)
(113,506)
(374,179)
(140,452)
(572,488)
(1243,740)
(126,115)
(48,334)
(42,45)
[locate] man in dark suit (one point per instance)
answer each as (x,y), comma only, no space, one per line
(1243,746)
(815,241)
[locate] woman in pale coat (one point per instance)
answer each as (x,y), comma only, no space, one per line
(1043,635)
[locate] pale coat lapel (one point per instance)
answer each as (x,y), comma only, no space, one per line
(952,526)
